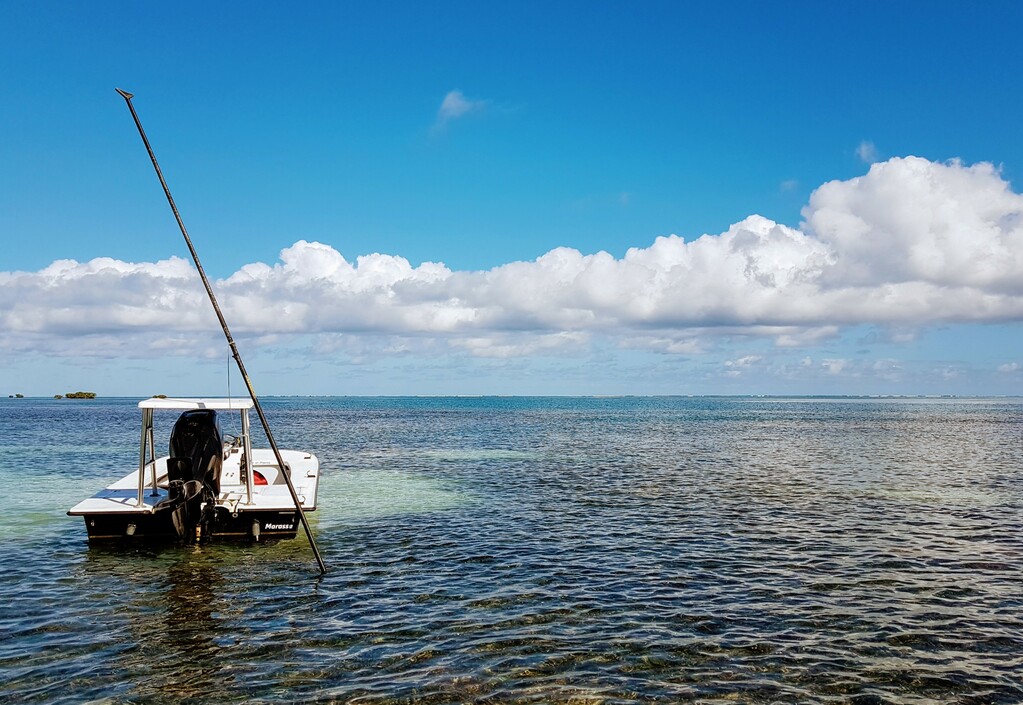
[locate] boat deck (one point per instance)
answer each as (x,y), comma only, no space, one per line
(121,497)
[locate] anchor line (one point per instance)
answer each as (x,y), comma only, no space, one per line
(227,332)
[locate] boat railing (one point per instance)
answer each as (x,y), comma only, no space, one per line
(247,456)
(147,444)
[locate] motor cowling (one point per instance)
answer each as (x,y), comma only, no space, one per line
(196,437)
(193,473)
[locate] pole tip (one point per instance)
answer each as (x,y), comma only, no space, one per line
(125,94)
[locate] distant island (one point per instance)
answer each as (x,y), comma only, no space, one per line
(77,395)
(15,396)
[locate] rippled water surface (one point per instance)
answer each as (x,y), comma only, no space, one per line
(542,550)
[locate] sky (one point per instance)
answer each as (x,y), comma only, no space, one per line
(515,198)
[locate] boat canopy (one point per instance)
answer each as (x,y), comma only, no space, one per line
(236,404)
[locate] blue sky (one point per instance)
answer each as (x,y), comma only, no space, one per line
(594,127)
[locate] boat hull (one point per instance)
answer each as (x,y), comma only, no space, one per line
(158,527)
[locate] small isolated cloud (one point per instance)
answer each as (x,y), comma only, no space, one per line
(690,343)
(506,345)
(834,366)
(789,185)
(456,105)
(867,152)
(892,334)
(887,369)
(802,337)
(734,368)
(1009,367)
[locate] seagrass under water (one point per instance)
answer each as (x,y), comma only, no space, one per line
(542,550)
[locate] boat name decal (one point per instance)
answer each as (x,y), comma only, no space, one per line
(271,527)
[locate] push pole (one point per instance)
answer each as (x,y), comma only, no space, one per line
(227,333)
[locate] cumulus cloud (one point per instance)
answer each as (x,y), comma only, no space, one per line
(454,106)
(909,244)
(912,224)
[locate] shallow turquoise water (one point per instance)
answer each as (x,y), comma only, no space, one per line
(542,550)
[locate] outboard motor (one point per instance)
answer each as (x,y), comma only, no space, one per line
(196,438)
(193,472)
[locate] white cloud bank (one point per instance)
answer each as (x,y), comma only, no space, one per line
(911,243)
